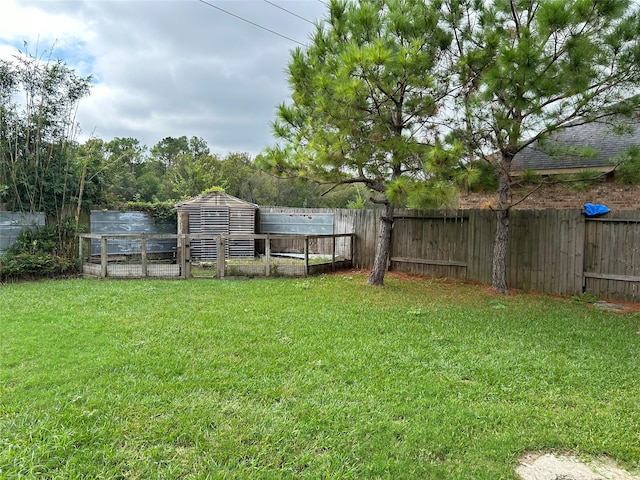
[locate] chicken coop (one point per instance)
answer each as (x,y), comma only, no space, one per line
(216,238)
(213,214)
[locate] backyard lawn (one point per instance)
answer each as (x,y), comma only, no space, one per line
(323,377)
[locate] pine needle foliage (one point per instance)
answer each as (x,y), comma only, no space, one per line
(529,69)
(366,94)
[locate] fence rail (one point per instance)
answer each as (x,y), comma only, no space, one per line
(135,260)
(552,251)
(558,252)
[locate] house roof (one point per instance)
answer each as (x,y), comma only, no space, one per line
(218,199)
(597,137)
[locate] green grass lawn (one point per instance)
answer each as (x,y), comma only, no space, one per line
(309,378)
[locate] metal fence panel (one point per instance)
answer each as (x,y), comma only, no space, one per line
(297,223)
(117,222)
(12,223)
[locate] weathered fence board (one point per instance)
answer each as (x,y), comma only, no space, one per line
(482,227)
(552,251)
(545,251)
(366,226)
(612,256)
(431,244)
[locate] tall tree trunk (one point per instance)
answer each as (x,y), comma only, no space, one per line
(383,246)
(500,253)
(501,242)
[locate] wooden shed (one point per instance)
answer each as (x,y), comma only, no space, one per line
(218,213)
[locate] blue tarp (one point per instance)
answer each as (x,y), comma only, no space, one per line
(595,209)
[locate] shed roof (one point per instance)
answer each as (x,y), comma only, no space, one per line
(598,136)
(217,199)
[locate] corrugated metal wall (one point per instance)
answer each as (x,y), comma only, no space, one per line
(307,221)
(115,221)
(297,223)
(12,223)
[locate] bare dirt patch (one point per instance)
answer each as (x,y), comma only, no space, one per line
(549,466)
(618,306)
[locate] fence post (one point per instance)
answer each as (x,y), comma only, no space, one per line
(306,255)
(184,247)
(267,255)
(143,254)
(220,255)
(581,247)
(352,246)
(81,259)
(180,260)
(187,256)
(103,256)
(333,253)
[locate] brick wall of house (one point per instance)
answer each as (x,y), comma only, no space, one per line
(614,196)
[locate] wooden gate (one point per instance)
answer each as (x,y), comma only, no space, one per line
(612,257)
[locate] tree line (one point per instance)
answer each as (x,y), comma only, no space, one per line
(43,168)
(122,170)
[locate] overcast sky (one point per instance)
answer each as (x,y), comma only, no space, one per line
(170,67)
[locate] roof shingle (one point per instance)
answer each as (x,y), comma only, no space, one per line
(599,137)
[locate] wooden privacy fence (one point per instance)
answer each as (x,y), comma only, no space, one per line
(133,259)
(559,252)
(612,256)
(553,251)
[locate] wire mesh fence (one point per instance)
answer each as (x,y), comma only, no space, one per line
(137,255)
(129,255)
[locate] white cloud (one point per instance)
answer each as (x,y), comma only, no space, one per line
(170,68)
(41,30)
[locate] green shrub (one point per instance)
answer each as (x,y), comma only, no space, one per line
(162,212)
(41,252)
(42,239)
(26,264)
